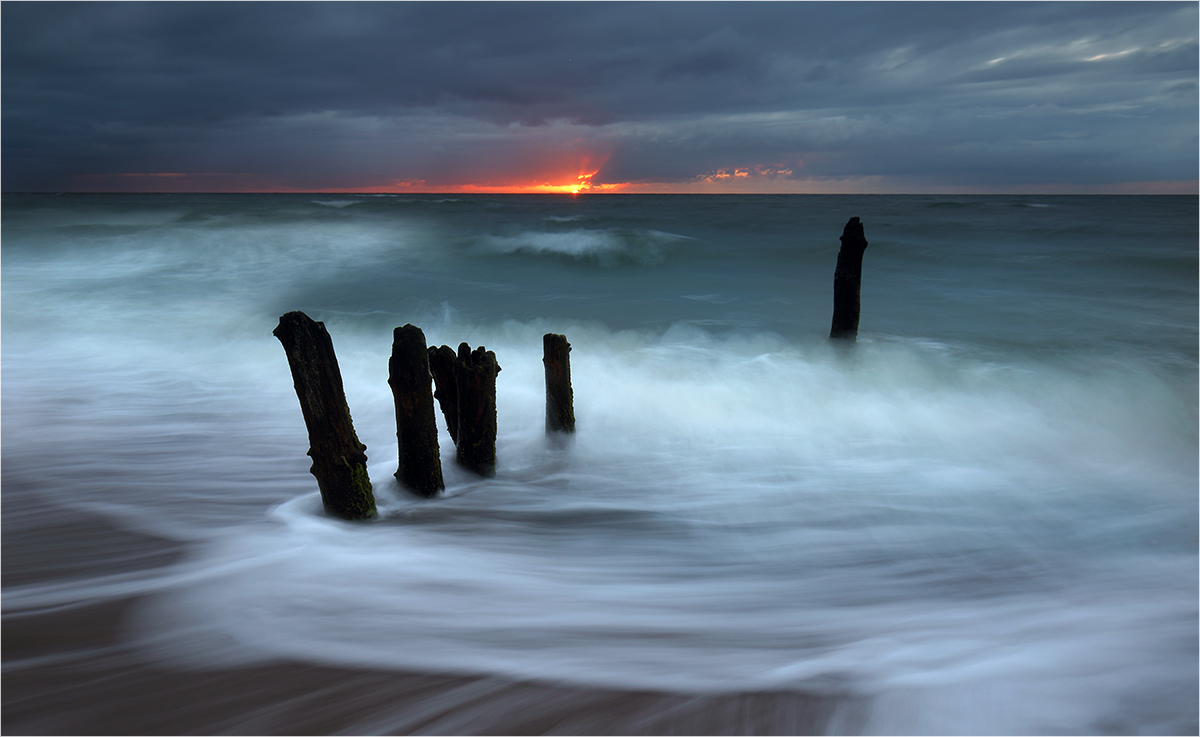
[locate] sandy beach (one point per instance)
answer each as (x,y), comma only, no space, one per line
(71,670)
(68,673)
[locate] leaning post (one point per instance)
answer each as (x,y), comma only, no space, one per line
(560,407)
(847,282)
(475,378)
(339,460)
(420,463)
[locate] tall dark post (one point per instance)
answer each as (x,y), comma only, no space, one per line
(560,405)
(441,364)
(847,282)
(420,463)
(475,374)
(339,460)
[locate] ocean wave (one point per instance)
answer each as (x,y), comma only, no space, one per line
(336,203)
(609,247)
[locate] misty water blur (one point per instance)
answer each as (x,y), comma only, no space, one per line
(981,519)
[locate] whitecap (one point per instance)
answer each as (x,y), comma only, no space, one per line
(609,246)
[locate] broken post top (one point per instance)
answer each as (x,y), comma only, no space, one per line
(409,333)
(409,353)
(852,237)
(551,339)
(477,359)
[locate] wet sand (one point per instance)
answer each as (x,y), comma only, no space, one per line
(69,671)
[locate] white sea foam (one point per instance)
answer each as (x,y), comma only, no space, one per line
(733,513)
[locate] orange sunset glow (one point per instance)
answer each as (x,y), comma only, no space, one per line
(582,184)
(573,177)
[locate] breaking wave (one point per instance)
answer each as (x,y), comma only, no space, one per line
(609,247)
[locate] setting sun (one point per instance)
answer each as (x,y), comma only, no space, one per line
(574,178)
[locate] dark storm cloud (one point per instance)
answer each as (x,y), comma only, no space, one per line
(327,95)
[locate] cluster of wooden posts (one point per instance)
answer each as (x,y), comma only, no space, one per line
(465,390)
(465,384)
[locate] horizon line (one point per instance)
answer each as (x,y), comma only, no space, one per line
(609,194)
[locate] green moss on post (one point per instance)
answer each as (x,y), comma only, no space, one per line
(339,461)
(360,503)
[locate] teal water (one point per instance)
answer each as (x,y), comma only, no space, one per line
(983,518)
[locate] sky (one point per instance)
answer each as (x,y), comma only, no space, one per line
(779,97)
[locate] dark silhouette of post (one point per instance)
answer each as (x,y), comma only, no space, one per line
(420,463)
(560,406)
(847,282)
(475,377)
(441,365)
(339,460)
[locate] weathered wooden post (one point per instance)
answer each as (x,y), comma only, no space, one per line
(475,375)
(420,463)
(560,406)
(847,282)
(441,365)
(339,460)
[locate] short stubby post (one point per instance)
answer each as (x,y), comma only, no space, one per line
(420,464)
(339,460)
(560,405)
(475,375)
(847,282)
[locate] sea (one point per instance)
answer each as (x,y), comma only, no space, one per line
(978,518)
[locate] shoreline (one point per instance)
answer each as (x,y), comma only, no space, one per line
(97,685)
(71,670)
